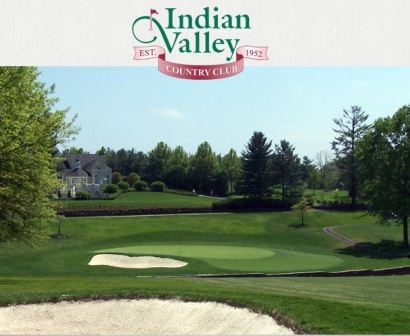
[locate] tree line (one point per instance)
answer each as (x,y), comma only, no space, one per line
(371,161)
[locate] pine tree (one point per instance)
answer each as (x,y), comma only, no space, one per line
(255,160)
(286,170)
(349,130)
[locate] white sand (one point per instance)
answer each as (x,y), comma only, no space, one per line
(116,260)
(149,317)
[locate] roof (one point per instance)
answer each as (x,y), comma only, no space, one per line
(88,162)
(77,172)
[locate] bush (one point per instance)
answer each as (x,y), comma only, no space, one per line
(336,205)
(141,186)
(82,195)
(157,186)
(110,188)
(123,185)
(132,179)
(116,177)
(243,204)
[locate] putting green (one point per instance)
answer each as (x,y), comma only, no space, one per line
(197,251)
(237,258)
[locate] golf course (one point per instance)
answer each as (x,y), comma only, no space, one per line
(223,244)
(150,230)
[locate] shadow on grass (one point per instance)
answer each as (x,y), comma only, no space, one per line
(385,249)
(297,226)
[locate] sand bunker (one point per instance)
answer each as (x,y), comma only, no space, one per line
(148,317)
(117,260)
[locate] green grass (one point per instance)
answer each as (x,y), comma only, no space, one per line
(234,258)
(259,242)
(145,200)
(366,232)
(331,195)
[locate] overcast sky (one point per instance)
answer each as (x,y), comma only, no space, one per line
(138,107)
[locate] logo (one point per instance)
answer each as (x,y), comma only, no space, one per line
(186,34)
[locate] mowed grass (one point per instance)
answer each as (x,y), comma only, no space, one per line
(151,200)
(321,195)
(367,232)
(223,243)
(239,259)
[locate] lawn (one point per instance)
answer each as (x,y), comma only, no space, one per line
(223,243)
(321,195)
(145,200)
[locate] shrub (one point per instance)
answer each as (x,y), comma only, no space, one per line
(157,186)
(82,195)
(110,188)
(132,179)
(243,204)
(123,185)
(116,177)
(141,186)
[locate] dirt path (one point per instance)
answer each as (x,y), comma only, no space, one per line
(330,231)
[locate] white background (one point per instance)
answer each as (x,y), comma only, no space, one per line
(298,32)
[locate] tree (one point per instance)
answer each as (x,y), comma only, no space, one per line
(306,168)
(255,160)
(384,167)
(300,209)
(110,188)
(231,166)
(349,130)
(30,130)
(286,170)
(202,168)
(116,177)
(328,173)
(74,150)
(158,161)
(132,179)
(178,168)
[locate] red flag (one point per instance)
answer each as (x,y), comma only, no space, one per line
(153,11)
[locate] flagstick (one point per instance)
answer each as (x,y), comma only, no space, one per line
(150,22)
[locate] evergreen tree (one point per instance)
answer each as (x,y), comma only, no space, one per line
(286,170)
(349,130)
(255,160)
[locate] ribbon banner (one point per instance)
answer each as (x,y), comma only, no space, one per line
(201,72)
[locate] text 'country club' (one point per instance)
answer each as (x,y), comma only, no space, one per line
(192,39)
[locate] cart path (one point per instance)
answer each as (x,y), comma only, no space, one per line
(330,231)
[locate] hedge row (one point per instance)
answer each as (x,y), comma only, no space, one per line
(336,205)
(128,211)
